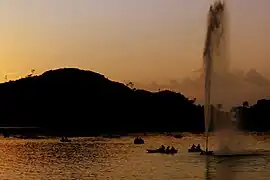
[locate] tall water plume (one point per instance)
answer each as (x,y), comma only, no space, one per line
(217,75)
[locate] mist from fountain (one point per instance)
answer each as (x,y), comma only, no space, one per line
(217,78)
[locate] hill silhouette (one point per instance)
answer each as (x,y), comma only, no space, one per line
(89,102)
(77,102)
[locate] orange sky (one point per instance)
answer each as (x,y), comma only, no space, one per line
(144,40)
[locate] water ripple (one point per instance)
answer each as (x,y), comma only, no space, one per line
(100,158)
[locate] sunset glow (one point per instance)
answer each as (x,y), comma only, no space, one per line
(144,41)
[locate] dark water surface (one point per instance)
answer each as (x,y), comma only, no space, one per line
(101,158)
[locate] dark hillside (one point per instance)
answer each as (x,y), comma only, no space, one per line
(84,99)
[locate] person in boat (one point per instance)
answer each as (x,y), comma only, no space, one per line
(198,148)
(193,147)
(162,148)
(167,149)
(173,149)
(138,140)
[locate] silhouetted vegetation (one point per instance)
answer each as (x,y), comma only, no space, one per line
(73,101)
(91,103)
(255,117)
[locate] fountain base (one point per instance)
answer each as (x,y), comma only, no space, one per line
(230,154)
(207,153)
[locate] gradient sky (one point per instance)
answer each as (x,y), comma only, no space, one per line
(140,40)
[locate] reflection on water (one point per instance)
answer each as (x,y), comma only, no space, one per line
(237,167)
(101,158)
(220,169)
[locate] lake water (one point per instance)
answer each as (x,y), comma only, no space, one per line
(101,158)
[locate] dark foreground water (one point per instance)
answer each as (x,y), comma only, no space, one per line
(100,158)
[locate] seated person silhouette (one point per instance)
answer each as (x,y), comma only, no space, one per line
(162,148)
(167,149)
(173,149)
(193,147)
(198,148)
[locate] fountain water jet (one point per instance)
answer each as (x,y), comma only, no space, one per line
(217,75)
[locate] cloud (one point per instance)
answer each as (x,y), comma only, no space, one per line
(240,86)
